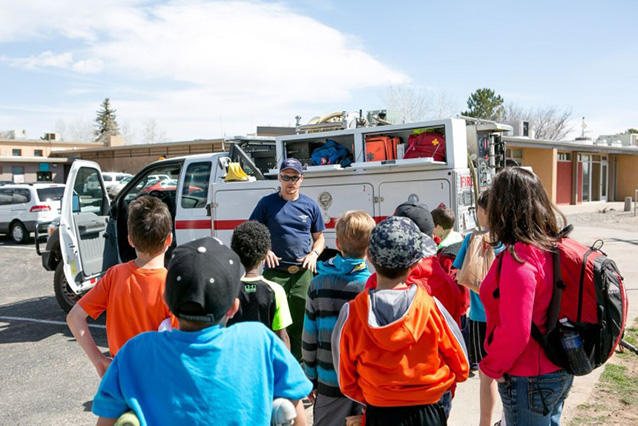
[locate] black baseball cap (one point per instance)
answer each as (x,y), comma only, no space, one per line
(420,214)
(204,272)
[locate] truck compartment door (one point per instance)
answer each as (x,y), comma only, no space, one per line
(431,192)
(335,200)
(83,221)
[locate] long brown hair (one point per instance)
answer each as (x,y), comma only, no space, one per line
(520,211)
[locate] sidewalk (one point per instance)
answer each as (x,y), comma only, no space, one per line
(593,207)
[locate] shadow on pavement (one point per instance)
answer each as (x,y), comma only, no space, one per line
(620,240)
(21,329)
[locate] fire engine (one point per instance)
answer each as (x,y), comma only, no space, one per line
(210,194)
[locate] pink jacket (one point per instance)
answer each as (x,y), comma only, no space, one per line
(525,291)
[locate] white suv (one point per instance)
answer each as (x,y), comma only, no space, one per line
(25,206)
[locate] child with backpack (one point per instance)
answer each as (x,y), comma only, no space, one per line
(516,293)
(203,373)
(338,281)
(259,299)
(466,260)
(393,346)
(132,293)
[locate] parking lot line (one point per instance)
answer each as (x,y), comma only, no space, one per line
(17,247)
(41,321)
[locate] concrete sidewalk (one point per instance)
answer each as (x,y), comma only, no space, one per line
(623,249)
(593,207)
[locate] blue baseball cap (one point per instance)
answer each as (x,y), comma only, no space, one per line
(291,164)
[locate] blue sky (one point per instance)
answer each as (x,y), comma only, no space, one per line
(203,69)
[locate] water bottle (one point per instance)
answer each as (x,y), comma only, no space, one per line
(573,345)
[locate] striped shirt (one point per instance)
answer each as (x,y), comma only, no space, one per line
(339,281)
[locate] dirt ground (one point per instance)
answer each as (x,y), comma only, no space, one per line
(615,398)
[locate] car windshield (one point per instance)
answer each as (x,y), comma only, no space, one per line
(126,179)
(54,194)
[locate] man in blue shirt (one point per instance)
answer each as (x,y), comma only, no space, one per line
(296,229)
(203,373)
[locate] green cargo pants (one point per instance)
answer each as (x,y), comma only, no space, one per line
(296,286)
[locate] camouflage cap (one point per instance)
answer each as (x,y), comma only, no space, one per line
(396,243)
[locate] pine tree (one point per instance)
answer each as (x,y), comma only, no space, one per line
(105,122)
(486,104)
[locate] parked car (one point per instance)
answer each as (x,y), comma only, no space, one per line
(116,187)
(110,180)
(25,206)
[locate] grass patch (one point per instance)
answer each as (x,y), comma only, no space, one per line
(621,383)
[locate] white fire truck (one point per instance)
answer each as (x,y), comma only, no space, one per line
(205,197)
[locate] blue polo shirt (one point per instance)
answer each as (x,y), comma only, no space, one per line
(291,224)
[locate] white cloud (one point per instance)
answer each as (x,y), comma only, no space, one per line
(190,62)
(49,59)
(45,59)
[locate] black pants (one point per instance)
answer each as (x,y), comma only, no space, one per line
(414,415)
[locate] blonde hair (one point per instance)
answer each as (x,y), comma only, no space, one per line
(353,232)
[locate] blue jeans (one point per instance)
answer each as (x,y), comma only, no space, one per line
(534,400)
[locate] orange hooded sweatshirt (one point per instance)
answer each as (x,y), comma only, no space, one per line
(396,348)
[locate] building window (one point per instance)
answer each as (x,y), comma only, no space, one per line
(38,153)
(514,155)
(564,156)
(17,152)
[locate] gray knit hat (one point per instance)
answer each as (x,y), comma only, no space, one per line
(396,243)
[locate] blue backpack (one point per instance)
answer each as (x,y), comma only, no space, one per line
(331,153)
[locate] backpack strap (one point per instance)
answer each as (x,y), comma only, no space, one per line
(557,292)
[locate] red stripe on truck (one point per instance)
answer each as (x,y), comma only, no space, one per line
(192,224)
(229,225)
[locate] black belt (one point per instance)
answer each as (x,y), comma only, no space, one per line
(291,269)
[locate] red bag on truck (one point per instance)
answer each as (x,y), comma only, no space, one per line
(379,148)
(426,144)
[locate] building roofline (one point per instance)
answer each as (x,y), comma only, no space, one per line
(139,146)
(21,159)
(522,142)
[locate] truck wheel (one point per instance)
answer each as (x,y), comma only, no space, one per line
(66,297)
(18,233)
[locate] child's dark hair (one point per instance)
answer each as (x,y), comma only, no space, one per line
(251,242)
(520,211)
(444,217)
(387,272)
(483,199)
(149,224)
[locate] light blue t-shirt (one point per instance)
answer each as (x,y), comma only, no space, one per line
(291,224)
(477,311)
(214,376)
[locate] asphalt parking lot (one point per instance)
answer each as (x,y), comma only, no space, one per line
(45,376)
(47,379)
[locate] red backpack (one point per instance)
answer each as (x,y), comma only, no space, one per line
(588,310)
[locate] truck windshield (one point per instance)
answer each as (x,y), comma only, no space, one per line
(53,194)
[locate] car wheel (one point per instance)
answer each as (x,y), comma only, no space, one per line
(18,233)
(66,297)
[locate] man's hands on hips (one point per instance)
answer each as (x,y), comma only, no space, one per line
(309,261)
(272,260)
